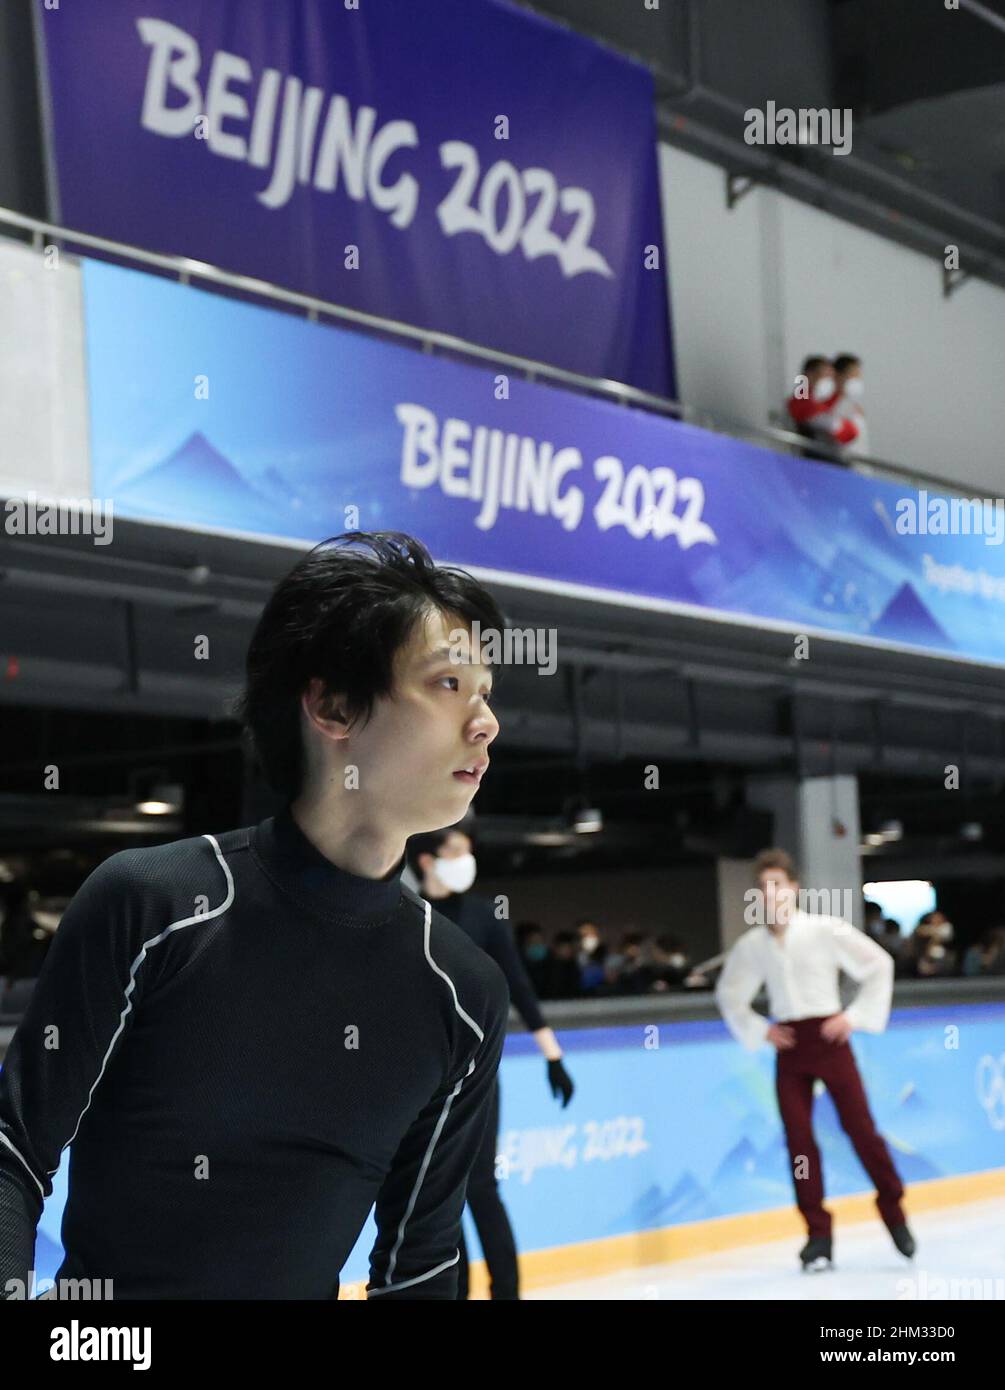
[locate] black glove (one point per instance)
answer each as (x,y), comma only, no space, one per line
(560,1082)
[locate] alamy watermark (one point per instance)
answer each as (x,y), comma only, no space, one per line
(951,516)
(515,646)
(761,908)
(805,125)
(924,1285)
(83,1343)
(70,516)
(82,1290)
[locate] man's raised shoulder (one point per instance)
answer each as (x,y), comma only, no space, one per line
(169,875)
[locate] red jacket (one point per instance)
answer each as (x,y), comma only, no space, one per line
(806,411)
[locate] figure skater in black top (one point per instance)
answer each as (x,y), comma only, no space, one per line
(248,1039)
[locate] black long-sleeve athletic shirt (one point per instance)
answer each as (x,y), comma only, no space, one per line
(476,917)
(245,1047)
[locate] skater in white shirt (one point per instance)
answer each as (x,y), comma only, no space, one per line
(798,957)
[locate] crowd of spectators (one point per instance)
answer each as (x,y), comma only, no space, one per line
(930,952)
(591,962)
(583,963)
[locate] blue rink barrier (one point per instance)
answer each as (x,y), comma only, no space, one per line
(674,1122)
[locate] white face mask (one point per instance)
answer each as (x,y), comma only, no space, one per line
(456,874)
(854,388)
(823,389)
(590,943)
(676,961)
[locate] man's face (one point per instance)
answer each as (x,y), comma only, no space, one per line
(825,372)
(779,894)
(435,722)
(854,370)
(454,846)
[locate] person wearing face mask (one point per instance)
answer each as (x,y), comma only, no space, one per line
(592,956)
(673,964)
(446,867)
(844,419)
(536,956)
(814,393)
(931,954)
(813,408)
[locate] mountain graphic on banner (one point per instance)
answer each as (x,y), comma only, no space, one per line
(906,619)
(687,1200)
(198,483)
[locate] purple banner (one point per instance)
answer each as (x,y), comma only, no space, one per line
(459,165)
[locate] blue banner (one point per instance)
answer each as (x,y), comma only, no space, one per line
(213,414)
(676,1123)
(459,165)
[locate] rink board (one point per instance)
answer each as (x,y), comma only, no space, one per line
(674,1125)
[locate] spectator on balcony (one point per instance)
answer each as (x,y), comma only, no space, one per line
(815,392)
(826,407)
(846,414)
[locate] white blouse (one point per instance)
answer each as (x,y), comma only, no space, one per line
(800,969)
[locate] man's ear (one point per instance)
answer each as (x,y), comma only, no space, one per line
(324,709)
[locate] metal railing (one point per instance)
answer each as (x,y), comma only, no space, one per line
(315,309)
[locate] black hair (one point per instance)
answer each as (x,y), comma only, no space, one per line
(524,929)
(844,360)
(341,614)
(812,363)
(432,841)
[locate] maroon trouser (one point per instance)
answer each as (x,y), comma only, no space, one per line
(834,1064)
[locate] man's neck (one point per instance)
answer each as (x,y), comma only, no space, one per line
(351,841)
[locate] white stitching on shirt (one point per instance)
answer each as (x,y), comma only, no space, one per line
(427,1157)
(154,941)
(407,1283)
